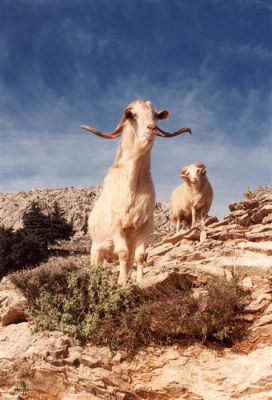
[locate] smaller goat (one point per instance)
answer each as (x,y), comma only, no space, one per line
(193,198)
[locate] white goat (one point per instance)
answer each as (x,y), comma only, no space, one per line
(193,198)
(122,218)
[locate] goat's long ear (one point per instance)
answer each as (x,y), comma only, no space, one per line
(162,133)
(112,135)
(162,114)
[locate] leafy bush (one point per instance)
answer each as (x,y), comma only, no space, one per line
(87,303)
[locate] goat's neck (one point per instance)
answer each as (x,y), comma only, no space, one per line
(134,163)
(198,186)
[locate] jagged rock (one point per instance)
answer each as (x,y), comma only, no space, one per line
(160,250)
(259,233)
(258,304)
(59,367)
(79,396)
(265,320)
(247,282)
(13,307)
(263,334)
(267,219)
(258,216)
(211,220)
(258,247)
(13,304)
(247,205)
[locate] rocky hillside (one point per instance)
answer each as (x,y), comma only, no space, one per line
(76,204)
(51,365)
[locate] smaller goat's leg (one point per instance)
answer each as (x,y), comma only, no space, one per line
(193,217)
(203,234)
(178,225)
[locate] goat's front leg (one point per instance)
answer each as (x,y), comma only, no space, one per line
(121,248)
(96,255)
(178,224)
(203,234)
(193,217)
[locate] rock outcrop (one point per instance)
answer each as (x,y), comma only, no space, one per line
(51,365)
(225,247)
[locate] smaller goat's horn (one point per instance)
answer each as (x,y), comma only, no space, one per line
(162,133)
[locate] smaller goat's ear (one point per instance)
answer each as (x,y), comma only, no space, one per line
(162,114)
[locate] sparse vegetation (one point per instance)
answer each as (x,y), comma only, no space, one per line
(85,301)
(262,189)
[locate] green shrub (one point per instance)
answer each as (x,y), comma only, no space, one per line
(86,302)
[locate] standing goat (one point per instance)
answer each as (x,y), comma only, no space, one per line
(192,199)
(122,218)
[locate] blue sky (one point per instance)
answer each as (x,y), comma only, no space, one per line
(64,63)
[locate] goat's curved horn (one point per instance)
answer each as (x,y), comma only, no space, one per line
(162,133)
(114,134)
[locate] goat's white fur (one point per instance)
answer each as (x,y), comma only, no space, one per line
(122,218)
(193,198)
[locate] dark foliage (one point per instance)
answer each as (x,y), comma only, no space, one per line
(20,249)
(29,246)
(49,228)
